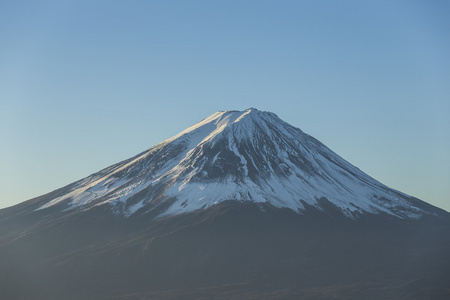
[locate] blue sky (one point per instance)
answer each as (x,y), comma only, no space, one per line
(86,84)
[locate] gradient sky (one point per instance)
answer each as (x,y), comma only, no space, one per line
(85,84)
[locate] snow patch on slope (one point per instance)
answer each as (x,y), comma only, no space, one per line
(260,159)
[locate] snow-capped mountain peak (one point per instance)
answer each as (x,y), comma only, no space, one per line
(246,155)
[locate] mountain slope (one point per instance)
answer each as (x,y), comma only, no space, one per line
(231,250)
(236,155)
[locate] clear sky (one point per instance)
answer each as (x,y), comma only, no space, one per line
(85,84)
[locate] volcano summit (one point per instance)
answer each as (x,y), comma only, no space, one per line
(246,155)
(241,205)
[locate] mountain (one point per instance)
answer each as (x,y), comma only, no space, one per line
(246,155)
(241,205)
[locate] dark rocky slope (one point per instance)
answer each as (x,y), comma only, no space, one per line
(233,250)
